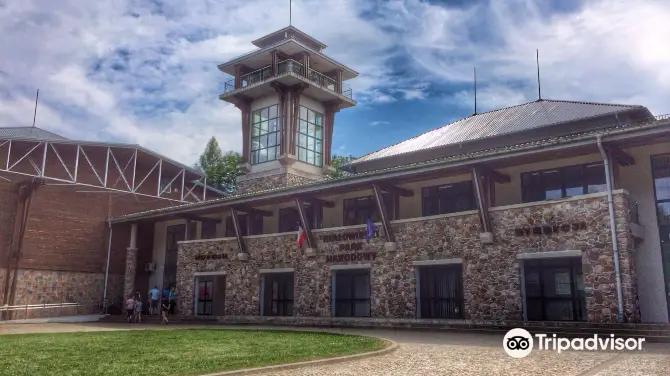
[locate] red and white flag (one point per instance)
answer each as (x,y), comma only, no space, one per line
(302,236)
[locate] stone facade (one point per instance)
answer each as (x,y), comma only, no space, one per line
(491,273)
(45,286)
(270,182)
(131,272)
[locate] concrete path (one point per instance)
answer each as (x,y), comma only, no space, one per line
(440,353)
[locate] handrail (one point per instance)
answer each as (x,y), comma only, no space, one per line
(37,306)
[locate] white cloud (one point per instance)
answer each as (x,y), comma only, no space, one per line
(379,122)
(145,72)
(605,50)
(134,71)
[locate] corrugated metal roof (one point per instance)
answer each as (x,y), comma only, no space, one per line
(498,122)
(290,189)
(32,133)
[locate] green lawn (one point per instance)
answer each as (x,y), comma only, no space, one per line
(168,352)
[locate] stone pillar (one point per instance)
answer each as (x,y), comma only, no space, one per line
(131,271)
(131,263)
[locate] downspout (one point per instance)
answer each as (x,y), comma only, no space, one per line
(615,244)
(109,251)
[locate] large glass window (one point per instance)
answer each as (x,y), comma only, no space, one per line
(265,135)
(289,219)
(173,234)
(352,293)
(208,230)
(563,182)
(450,198)
(248,226)
(309,135)
(660,165)
(357,210)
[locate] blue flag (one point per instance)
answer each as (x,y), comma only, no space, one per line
(370,229)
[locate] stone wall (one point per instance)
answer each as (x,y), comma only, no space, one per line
(269,182)
(44,286)
(491,273)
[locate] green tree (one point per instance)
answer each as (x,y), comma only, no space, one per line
(221,169)
(339,161)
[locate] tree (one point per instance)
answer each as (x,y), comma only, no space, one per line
(339,161)
(221,169)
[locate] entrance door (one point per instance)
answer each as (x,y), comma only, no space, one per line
(205,297)
(278,294)
(352,293)
(555,289)
(441,292)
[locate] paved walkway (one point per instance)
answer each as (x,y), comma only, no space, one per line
(441,353)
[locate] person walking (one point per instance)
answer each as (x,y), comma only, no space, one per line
(165,306)
(154,294)
(138,311)
(172,300)
(130,308)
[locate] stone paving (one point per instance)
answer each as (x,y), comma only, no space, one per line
(440,353)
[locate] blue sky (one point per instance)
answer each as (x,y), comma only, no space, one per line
(144,71)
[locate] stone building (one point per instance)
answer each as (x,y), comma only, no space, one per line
(56,196)
(547,211)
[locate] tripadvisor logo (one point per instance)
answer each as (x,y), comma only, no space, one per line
(518,343)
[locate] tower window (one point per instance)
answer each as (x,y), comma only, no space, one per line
(265,135)
(309,146)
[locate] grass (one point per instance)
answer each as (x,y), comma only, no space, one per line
(168,352)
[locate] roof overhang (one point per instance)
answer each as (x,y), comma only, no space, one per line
(280,33)
(262,58)
(632,135)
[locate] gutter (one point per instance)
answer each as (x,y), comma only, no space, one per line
(615,243)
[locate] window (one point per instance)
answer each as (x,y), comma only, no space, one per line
(563,182)
(352,293)
(451,198)
(192,231)
(309,136)
(265,135)
(441,292)
(208,230)
(289,219)
(555,289)
(357,210)
(278,294)
(660,167)
(256,225)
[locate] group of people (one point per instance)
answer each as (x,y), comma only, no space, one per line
(167,304)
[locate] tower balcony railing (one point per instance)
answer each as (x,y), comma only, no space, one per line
(322,80)
(288,66)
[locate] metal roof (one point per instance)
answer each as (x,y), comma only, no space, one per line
(508,120)
(308,186)
(289,28)
(30,133)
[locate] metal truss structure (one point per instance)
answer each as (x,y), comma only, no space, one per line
(115,167)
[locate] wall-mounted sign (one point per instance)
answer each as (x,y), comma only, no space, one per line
(347,236)
(211,256)
(345,257)
(548,230)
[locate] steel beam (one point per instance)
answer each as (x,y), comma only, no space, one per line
(160,176)
(90,164)
(204,189)
(493,174)
(107,166)
(24,156)
(171,181)
(482,203)
(382,213)
(387,187)
(134,168)
(76,164)
(62,163)
(238,231)
(146,176)
(44,159)
(183,183)
(122,174)
(9,154)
